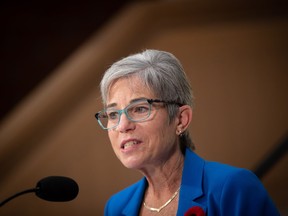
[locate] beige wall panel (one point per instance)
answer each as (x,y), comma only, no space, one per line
(239,75)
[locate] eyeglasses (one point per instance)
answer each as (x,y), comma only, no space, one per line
(137,111)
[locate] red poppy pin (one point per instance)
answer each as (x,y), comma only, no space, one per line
(195,211)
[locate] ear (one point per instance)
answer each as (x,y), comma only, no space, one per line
(184,118)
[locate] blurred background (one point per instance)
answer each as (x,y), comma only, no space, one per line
(53,55)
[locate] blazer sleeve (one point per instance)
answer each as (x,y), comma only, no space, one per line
(244,194)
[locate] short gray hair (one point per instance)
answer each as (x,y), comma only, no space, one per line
(161,72)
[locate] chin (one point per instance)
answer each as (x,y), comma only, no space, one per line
(131,164)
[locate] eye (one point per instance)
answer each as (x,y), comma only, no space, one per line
(102,115)
(140,109)
(112,115)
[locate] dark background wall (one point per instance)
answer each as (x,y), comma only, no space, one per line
(36,36)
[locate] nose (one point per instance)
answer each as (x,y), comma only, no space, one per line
(125,124)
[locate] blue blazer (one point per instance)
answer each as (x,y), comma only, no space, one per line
(217,188)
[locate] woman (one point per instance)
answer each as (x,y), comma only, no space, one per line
(148,108)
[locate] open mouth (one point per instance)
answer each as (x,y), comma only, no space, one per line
(129,144)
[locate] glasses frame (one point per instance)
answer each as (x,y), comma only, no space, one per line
(120,112)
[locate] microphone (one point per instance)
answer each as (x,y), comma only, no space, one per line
(52,188)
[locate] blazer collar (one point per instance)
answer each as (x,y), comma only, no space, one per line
(191,185)
(133,207)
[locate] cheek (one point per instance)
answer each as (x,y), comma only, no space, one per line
(163,131)
(112,138)
(168,132)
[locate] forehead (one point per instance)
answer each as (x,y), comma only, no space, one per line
(128,88)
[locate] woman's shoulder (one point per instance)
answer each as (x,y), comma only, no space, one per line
(221,170)
(236,187)
(223,179)
(219,174)
(216,172)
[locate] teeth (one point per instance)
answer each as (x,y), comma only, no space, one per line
(128,144)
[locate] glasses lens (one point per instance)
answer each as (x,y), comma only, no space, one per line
(108,118)
(139,111)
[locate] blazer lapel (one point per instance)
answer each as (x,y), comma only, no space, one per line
(191,185)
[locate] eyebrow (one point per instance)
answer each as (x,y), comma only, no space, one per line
(131,101)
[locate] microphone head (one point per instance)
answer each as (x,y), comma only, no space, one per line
(57,189)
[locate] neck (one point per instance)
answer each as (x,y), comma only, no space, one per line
(158,209)
(166,179)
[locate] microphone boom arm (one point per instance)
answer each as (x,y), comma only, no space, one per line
(18,194)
